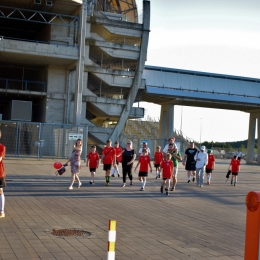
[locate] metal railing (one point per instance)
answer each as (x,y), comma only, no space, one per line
(29,139)
(25,85)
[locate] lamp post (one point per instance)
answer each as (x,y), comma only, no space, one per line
(200,129)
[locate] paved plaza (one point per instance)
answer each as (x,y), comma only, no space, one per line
(191,223)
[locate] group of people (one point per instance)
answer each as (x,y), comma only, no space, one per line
(197,163)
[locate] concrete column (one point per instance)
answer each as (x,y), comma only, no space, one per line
(80,65)
(166,125)
(138,75)
(258,138)
(251,138)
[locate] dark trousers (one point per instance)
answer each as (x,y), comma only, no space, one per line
(127,170)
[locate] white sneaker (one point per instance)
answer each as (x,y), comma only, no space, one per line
(70,188)
(79,185)
(2,215)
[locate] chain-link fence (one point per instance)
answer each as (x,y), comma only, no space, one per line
(27,139)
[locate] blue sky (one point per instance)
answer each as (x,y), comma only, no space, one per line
(210,36)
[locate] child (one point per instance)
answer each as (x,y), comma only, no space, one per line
(235,168)
(118,151)
(108,159)
(166,167)
(158,156)
(144,162)
(92,162)
(210,166)
(2,179)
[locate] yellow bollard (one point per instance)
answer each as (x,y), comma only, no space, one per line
(111,247)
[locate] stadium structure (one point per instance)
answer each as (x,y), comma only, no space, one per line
(76,62)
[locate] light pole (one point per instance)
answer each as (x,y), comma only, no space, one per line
(200,129)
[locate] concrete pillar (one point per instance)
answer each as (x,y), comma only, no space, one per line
(166,125)
(251,137)
(80,65)
(138,75)
(258,139)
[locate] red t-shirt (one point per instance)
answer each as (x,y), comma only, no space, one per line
(109,154)
(144,161)
(167,169)
(211,160)
(93,159)
(158,156)
(235,165)
(2,154)
(118,151)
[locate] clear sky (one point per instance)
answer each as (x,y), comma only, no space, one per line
(210,36)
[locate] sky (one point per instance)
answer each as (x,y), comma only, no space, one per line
(209,36)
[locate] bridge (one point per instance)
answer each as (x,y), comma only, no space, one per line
(168,87)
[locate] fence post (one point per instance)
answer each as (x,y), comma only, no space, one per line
(111,246)
(252,226)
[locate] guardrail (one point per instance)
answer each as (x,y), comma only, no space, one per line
(25,85)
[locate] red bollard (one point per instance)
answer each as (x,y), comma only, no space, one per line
(252,226)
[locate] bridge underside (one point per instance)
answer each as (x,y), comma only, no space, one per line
(168,87)
(163,99)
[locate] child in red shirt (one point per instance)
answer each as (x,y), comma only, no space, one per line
(108,159)
(158,156)
(210,166)
(144,162)
(167,167)
(235,168)
(92,162)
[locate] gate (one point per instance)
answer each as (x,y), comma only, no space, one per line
(29,139)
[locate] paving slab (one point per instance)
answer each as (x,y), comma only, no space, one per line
(190,223)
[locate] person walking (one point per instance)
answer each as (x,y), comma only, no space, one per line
(235,168)
(210,165)
(144,162)
(74,161)
(2,179)
(171,140)
(108,159)
(118,151)
(201,158)
(92,162)
(128,158)
(239,154)
(166,167)
(175,157)
(144,146)
(189,162)
(158,157)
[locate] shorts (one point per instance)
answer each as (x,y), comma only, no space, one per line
(107,167)
(92,169)
(157,165)
(208,170)
(143,174)
(190,166)
(235,173)
(175,171)
(166,179)
(2,182)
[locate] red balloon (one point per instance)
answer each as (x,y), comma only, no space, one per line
(57,165)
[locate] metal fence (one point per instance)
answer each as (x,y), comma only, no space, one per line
(28,139)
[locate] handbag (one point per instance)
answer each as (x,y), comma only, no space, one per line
(61,170)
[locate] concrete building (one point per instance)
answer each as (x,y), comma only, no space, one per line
(74,62)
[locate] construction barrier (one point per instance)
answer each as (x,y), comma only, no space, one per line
(111,240)
(252,226)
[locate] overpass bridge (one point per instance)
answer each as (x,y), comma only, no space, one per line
(168,87)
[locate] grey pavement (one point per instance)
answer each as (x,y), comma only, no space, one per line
(190,223)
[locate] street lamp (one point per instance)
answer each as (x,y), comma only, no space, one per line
(200,129)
